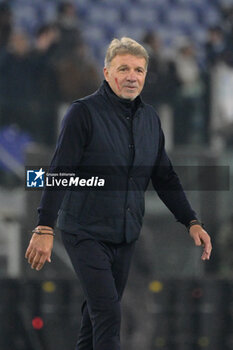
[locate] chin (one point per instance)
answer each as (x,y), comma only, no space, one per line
(129,97)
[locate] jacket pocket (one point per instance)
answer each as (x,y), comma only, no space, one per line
(77,205)
(105,205)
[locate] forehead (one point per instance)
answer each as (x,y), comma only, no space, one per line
(129,60)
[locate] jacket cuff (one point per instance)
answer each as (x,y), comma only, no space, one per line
(45,219)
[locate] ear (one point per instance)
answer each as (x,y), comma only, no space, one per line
(106,74)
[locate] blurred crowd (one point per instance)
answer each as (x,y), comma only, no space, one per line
(183,79)
(38,74)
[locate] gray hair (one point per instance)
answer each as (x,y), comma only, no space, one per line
(125,46)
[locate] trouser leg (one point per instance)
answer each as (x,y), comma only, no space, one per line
(103,275)
(85,339)
(104,333)
(93,268)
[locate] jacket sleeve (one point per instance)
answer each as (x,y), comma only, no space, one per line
(167,184)
(74,136)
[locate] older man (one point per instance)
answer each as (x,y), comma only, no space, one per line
(111,129)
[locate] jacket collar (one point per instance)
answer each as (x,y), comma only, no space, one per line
(122,106)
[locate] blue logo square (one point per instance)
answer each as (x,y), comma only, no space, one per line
(35,178)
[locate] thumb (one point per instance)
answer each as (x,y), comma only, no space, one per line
(197,240)
(49,259)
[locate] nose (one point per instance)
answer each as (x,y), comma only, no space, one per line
(131,76)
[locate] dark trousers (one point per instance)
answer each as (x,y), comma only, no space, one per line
(102,269)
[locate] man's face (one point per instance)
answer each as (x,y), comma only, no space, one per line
(126,75)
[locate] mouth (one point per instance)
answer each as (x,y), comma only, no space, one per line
(131,87)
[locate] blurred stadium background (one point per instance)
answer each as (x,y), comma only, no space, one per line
(51,53)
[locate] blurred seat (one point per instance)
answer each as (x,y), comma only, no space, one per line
(179,15)
(154,4)
(47,11)
(114,4)
(133,31)
(94,35)
(83,6)
(26,17)
(100,14)
(211,16)
(169,34)
(145,17)
(200,35)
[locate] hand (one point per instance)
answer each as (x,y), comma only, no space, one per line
(201,237)
(39,249)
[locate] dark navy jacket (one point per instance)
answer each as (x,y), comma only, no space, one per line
(121,141)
